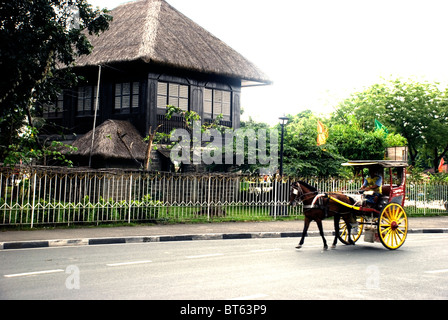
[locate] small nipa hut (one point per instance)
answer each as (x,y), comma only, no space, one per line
(116,144)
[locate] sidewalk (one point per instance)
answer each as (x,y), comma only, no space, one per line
(185,232)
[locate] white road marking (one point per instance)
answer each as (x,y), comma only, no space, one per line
(205,255)
(32,273)
(127,263)
(437,271)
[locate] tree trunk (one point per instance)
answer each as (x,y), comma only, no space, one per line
(151,136)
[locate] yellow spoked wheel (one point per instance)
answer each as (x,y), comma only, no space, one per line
(343,231)
(393,226)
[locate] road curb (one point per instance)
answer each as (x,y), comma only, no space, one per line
(168,238)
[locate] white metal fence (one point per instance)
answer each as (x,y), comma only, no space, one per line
(41,195)
(427,198)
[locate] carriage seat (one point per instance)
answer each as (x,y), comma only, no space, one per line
(377,201)
(386,189)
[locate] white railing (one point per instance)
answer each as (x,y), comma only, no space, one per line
(427,198)
(42,195)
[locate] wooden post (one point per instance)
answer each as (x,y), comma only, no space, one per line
(95,113)
(151,136)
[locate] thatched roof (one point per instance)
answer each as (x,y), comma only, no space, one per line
(114,139)
(154,32)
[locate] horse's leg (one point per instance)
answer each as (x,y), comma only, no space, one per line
(305,230)
(336,230)
(321,231)
(350,240)
(348,222)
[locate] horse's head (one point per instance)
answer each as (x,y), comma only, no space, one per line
(295,193)
(299,190)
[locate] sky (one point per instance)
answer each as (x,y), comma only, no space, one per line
(318,52)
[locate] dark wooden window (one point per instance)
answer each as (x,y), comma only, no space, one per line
(127,97)
(86,100)
(217,102)
(54,110)
(172,94)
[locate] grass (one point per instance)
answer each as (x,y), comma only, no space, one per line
(117,214)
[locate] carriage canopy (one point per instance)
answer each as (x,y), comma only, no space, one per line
(382,163)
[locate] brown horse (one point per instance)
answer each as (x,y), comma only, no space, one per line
(318,206)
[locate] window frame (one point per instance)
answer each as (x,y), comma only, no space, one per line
(133,95)
(88,108)
(169,96)
(54,110)
(214,103)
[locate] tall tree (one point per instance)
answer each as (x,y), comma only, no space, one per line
(416,110)
(419,111)
(40,42)
(302,155)
(356,144)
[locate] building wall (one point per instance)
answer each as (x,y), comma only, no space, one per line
(197,86)
(148,78)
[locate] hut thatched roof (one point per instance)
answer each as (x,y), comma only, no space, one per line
(154,32)
(114,139)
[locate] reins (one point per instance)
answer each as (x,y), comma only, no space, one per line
(321,205)
(303,195)
(299,188)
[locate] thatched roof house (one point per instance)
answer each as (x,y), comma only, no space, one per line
(151,56)
(154,32)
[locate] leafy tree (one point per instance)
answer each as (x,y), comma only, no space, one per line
(40,42)
(356,144)
(363,108)
(302,155)
(346,140)
(251,132)
(417,111)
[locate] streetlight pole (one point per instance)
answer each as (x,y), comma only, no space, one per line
(279,208)
(282,119)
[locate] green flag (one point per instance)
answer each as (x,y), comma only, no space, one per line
(379,126)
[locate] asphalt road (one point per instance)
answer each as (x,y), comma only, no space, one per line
(253,269)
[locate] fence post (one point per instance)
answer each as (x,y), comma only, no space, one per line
(424,199)
(208,197)
(275,197)
(130,195)
(34,199)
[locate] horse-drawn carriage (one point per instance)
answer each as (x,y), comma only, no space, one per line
(379,216)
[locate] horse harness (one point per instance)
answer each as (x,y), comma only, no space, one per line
(318,202)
